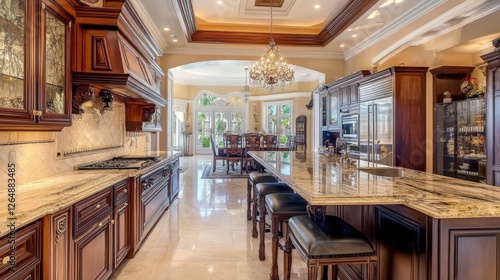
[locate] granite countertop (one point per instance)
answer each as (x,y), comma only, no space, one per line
(52,194)
(322,180)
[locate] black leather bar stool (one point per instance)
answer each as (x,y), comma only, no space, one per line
(253,179)
(259,193)
(280,207)
(329,242)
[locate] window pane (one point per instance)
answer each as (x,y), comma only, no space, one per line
(271,126)
(272,110)
(286,109)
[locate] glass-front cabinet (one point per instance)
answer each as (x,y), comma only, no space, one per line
(329,110)
(35,85)
(460,139)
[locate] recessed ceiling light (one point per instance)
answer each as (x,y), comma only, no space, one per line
(317,6)
(398,1)
(350,29)
(354,35)
(373,14)
(386,3)
(220,3)
(174,40)
(342,45)
(166,29)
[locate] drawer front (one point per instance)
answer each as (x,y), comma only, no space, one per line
(155,180)
(92,210)
(152,207)
(28,251)
(122,192)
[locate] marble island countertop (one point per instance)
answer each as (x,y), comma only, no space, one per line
(323,180)
(52,194)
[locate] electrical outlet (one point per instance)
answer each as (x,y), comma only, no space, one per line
(12,157)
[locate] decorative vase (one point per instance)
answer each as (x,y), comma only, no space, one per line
(469,87)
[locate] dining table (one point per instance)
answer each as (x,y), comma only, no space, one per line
(422,225)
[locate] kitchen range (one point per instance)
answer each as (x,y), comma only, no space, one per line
(122,162)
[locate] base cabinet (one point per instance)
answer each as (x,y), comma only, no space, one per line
(28,253)
(94,252)
(57,246)
(122,233)
(174,180)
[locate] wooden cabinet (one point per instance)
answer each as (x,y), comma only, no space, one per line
(35,87)
(392,117)
(28,253)
(493,115)
(93,238)
(301,131)
(154,197)
(142,116)
(94,251)
(349,92)
(449,78)
(57,235)
(122,216)
(329,110)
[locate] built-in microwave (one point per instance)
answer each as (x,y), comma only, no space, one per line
(350,131)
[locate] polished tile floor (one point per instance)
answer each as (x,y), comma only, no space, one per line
(204,235)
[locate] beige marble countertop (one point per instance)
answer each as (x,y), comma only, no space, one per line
(49,195)
(323,181)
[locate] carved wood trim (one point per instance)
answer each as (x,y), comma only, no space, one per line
(107,98)
(147,113)
(347,16)
(81,94)
(100,54)
(60,228)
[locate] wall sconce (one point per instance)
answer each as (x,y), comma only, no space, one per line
(107,98)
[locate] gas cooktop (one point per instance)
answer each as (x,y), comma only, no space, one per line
(125,162)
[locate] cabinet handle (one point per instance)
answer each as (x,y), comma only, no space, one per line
(99,225)
(125,191)
(112,222)
(98,206)
(125,204)
(5,260)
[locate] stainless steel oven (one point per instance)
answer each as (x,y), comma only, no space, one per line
(349,132)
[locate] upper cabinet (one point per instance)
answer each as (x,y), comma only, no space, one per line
(35,84)
(333,112)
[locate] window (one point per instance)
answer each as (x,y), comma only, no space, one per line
(278,119)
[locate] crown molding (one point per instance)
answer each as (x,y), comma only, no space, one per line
(253,53)
(389,29)
(149,24)
(277,96)
(413,39)
(351,12)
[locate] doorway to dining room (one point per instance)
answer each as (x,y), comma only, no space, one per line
(217,115)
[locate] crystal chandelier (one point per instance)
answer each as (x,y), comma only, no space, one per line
(246,89)
(271,69)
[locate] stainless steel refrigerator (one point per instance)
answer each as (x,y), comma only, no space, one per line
(376,134)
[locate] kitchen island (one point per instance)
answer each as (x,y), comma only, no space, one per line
(423,226)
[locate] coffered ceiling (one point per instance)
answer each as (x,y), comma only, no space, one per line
(306,28)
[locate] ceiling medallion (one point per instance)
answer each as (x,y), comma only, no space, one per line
(267,3)
(271,69)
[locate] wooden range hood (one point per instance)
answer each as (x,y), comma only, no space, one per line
(115,54)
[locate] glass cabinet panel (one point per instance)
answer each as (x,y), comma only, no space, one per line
(334,109)
(55,64)
(445,129)
(324,112)
(12,53)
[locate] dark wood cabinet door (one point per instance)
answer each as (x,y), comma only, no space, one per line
(94,252)
(122,232)
(57,246)
(153,206)
(401,243)
(28,253)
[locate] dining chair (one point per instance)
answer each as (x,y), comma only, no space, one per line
(216,155)
(290,142)
(269,142)
(252,143)
(233,150)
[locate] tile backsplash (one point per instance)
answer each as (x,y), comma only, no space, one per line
(91,137)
